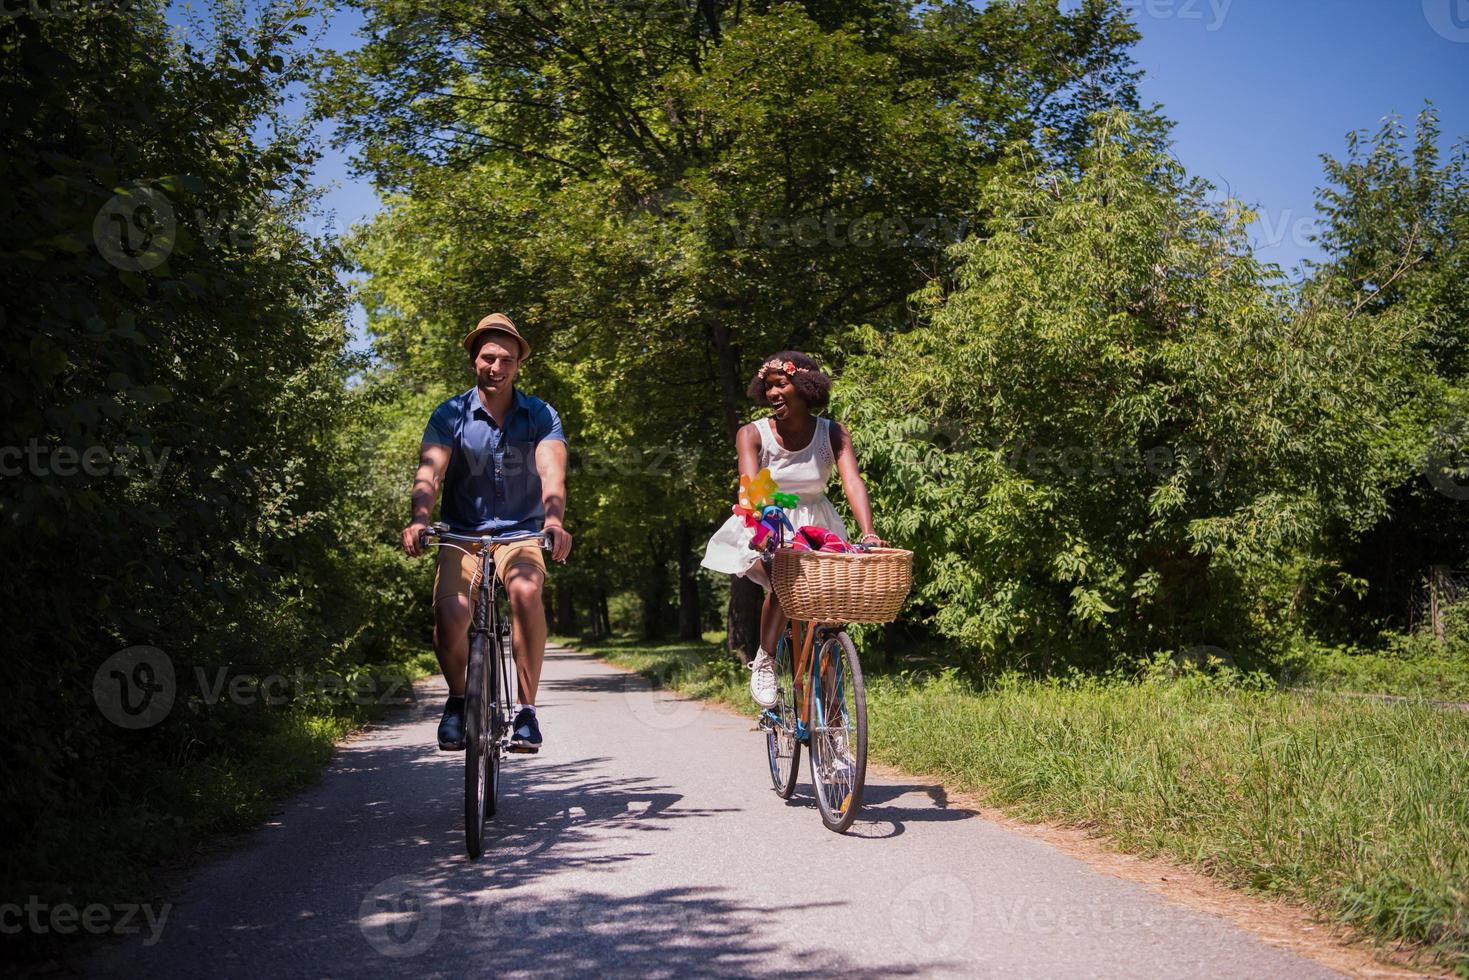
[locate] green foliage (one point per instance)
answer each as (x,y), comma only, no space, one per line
(170,325)
(1396,231)
(1119,433)
(1354,807)
(662,195)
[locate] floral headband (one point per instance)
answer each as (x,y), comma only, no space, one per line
(788,368)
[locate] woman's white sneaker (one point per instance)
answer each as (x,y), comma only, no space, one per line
(762,679)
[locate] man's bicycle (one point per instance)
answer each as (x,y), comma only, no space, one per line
(488,695)
(820,699)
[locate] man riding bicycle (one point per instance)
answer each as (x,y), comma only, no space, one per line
(500,457)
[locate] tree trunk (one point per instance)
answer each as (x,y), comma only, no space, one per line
(565,612)
(743,620)
(601,616)
(689,613)
(655,595)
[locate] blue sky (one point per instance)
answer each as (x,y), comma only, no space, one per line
(1259,89)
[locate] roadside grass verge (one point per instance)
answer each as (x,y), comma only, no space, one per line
(1357,809)
(245,759)
(1420,669)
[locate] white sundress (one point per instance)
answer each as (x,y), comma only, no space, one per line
(805,473)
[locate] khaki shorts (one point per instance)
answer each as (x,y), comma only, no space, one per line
(457,573)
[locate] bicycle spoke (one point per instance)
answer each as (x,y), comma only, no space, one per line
(839,736)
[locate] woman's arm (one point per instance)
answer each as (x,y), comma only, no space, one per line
(852,484)
(747,442)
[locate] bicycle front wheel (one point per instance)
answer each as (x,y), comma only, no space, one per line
(838,732)
(782,750)
(478,748)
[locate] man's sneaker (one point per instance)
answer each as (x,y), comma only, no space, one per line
(762,679)
(525,732)
(451,726)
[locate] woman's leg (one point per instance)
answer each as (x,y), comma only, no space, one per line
(772,622)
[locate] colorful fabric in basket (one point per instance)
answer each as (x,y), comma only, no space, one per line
(812,538)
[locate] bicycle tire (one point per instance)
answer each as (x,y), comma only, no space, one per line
(838,749)
(478,748)
(499,722)
(782,751)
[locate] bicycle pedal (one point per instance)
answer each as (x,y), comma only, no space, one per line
(524,749)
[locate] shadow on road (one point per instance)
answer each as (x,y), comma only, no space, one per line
(667,932)
(876,821)
(366,874)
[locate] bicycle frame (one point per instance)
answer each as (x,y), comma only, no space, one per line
(806,638)
(486,620)
(485,624)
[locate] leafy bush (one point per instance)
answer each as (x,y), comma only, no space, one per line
(1119,433)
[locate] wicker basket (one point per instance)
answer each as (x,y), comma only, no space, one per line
(828,587)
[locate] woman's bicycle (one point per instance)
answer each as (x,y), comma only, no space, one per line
(487,691)
(824,708)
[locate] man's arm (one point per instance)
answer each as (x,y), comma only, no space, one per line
(551,465)
(433,461)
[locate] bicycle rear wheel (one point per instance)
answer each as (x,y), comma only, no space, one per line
(782,750)
(838,732)
(480,767)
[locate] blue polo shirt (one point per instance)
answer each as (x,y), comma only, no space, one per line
(492,484)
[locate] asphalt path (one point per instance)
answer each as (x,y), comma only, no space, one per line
(645,841)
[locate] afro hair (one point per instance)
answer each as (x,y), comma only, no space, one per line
(812,384)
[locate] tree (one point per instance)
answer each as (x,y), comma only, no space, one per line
(174,378)
(1395,216)
(1118,433)
(666,192)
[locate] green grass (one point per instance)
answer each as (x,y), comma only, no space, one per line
(1357,809)
(1416,669)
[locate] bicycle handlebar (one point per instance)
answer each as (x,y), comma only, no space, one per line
(441,532)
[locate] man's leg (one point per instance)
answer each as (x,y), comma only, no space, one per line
(523,583)
(453,580)
(451,639)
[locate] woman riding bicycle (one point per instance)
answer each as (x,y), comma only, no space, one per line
(800,449)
